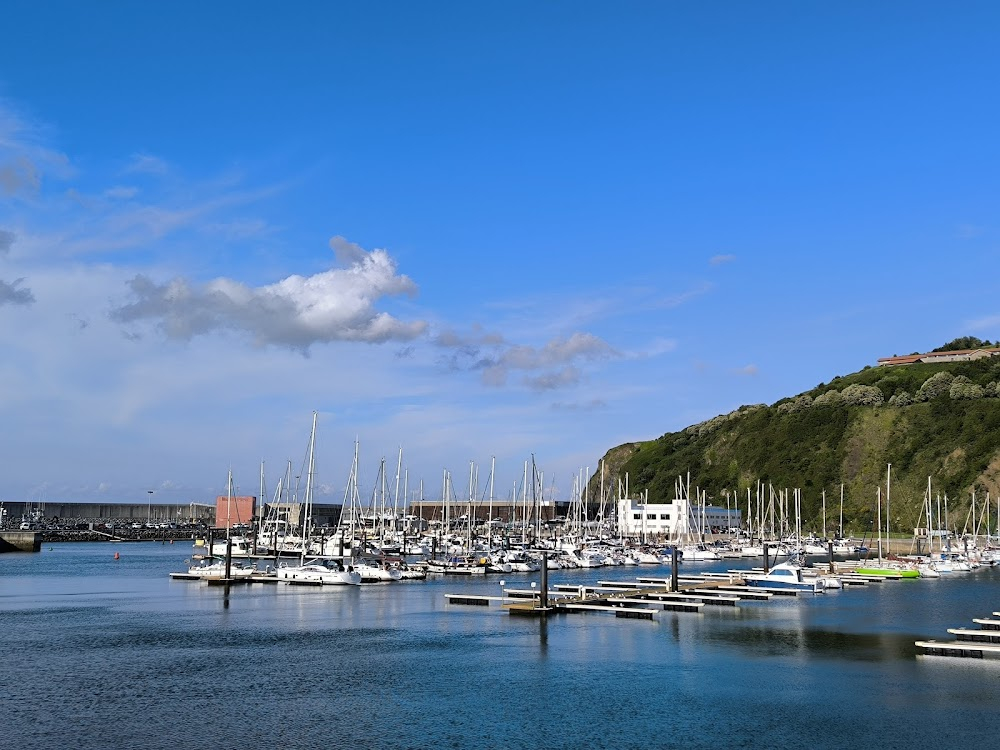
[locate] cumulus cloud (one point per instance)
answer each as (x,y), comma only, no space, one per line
(719,260)
(6,241)
(346,252)
(554,365)
(297,312)
(14,294)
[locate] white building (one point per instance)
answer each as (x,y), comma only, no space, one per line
(673,520)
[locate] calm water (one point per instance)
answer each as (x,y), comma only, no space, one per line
(98,653)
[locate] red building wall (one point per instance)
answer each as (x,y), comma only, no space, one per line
(234,510)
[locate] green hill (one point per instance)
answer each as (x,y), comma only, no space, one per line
(938,420)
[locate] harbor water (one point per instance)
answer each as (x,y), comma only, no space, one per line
(106,653)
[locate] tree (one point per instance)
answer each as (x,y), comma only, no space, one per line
(963,342)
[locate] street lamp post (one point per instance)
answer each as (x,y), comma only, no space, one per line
(149,506)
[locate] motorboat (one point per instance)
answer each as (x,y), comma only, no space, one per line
(215,568)
(319,572)
(786,575)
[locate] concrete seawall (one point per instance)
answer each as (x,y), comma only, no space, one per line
(20,541)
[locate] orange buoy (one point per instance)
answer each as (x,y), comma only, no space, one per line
(116,555)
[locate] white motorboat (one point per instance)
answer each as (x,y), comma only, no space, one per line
(216,568)
(372,571)
(319,572)
(785,575)
(699,552)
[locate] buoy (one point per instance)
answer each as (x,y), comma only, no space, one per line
(116,555)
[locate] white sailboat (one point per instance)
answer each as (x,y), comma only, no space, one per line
(318,571)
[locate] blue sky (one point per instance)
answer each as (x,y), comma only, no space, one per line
(468,229)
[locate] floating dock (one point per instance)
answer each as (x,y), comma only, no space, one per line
(970,643)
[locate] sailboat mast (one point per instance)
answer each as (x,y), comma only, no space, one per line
(878,522)
(489,521)
(310,478)
(841,510)
(888,477)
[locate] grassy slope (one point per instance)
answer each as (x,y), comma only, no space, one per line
(955,442)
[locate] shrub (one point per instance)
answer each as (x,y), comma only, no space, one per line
(902,398)
(830,398)
(862,395)
(799,403)
(936,385)
(963,389)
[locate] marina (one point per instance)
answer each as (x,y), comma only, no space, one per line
(125,650)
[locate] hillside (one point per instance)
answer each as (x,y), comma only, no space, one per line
(939,420)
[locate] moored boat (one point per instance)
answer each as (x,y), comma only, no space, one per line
(785,575)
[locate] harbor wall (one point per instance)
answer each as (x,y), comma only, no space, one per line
(20,541)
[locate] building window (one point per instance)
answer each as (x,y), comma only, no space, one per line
(636,516)
(664,516)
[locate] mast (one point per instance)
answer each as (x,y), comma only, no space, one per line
(395,494)
(878,523)
(841,510)
(310,478)
(489,521)
(824,513)
(888,477)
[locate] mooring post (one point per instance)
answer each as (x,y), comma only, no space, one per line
(545,581)
(765,557)
(673,569)
(829,546)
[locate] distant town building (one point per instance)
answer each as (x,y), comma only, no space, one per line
(673,520)
(961,355)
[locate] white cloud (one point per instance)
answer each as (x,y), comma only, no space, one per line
(749,370)
(556,359)
(297,312)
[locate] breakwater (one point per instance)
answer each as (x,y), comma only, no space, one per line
(20,541)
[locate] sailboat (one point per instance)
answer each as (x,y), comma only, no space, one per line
(316,571)
(886,567)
